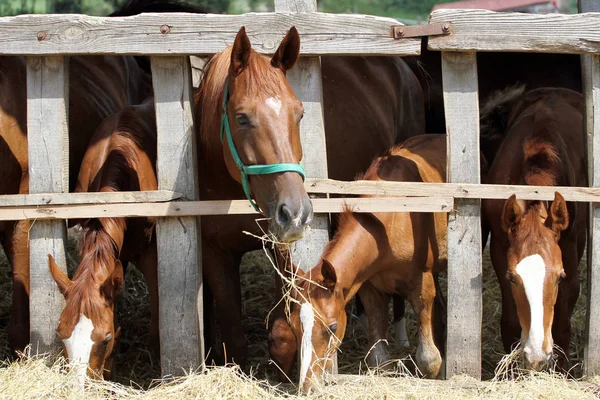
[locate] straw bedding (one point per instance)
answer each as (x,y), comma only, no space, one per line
(137,367)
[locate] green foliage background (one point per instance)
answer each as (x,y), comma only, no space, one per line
(416,10)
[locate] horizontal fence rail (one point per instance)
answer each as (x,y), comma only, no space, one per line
(481,30)
(185,34)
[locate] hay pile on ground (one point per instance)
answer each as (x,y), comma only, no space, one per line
(33,378)
(135,363)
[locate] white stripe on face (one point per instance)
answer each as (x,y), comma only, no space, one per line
(307,319)
(79,346)
(532,271)
(274,104)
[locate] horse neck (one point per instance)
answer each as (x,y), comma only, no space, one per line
(216,182)
(353,253)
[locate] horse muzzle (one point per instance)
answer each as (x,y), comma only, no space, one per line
(291,215)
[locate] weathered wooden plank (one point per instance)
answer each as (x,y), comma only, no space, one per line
(459,74)
(43,199)
(178,239)
(456,190)
(306,81)
(48,141)
(590,68)
(218,207)
(198,34)
(481,30)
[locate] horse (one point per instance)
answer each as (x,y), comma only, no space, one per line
(536,246)
(99,86)
(121,157)
(376,255)
(264,117)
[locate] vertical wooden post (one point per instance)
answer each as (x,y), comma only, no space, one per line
(305,79)
(48,141)
(590,68)
(178,239)
(459,73)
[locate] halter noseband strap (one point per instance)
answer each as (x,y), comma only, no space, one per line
(246,170)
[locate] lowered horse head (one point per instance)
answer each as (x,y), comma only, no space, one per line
(318,320)
(535,270)
(87,324)
(246,97)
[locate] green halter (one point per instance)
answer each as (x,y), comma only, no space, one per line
(246,170)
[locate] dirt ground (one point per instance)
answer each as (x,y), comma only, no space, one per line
(137,364)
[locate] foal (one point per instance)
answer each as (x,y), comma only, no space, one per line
(377,255)
(121,157)
(536,246)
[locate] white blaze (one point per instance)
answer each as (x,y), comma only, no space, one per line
(532,271)
(275,104)
(79,347)
(307,319)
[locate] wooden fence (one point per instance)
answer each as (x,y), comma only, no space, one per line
(169,39)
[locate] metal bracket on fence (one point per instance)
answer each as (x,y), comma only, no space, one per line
(433,29)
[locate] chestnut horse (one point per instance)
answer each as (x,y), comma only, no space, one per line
(377,255)
(99,86)
(121,158)
(536,246)
(361,120)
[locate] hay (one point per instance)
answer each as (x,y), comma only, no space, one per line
(136,363)
(41,378)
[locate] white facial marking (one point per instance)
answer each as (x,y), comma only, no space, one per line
(401,336)
(79,347)
(307,319)
(532,271)
(275,104)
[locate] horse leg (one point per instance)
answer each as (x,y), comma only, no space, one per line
(282,340)
(400,321)
(222,272)
(376,307)
(360,312)
(422,297)
(16,246)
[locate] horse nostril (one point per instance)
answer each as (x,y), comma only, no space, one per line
(284,215)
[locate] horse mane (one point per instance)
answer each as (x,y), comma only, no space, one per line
(542,162)
(135,7)
(99,251)
(494,114)
(262,80)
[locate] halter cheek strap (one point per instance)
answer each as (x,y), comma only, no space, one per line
(246,170)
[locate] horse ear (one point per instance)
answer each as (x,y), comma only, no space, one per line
(329,275)
(288,52)
(113,283)
(240,53)
(559,214)
(512,213)
(61,279)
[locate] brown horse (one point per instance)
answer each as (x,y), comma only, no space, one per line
(377,255)
(362,119)
(99,86)
(121,158)
(536,246)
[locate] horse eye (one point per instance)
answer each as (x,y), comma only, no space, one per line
(511,278)
(242,120)
(561,277)
(107,338)
(333,327)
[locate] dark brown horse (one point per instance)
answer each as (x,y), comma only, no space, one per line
(122,157)
(377,255)
(536,246)
(370,104)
